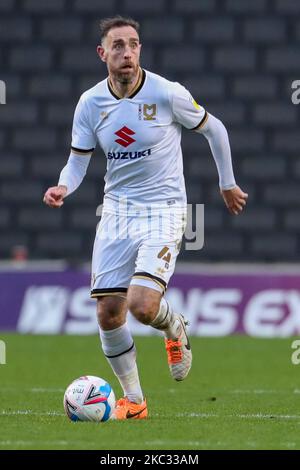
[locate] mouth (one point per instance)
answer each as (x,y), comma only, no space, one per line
(127,68)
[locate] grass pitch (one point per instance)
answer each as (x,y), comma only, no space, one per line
(242,393)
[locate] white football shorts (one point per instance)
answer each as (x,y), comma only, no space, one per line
(139,249)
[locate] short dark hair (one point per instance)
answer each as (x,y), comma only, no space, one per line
(116,22)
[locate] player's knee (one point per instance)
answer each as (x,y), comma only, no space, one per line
(110,313)
(143,310)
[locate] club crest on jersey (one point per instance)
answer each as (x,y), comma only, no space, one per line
(124,133)
(149,112)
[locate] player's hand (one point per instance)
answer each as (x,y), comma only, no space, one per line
(54,196)
(235,199)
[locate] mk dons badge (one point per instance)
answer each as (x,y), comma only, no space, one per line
(149,112)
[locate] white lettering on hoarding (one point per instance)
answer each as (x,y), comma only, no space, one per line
(291,324)
(211,313)
(219,316)
(83,312)
(43,310)
(215,312)
(273,312)
(188,305)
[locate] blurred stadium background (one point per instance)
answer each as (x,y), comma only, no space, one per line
(238,58)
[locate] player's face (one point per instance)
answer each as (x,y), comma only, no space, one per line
(121,51)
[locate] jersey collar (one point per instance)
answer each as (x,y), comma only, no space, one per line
(136,89)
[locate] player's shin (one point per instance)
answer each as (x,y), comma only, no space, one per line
(119,349)
(166,320)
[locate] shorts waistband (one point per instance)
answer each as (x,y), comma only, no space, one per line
(124,206)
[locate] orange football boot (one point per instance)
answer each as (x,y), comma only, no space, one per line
(179,352)
(126,409)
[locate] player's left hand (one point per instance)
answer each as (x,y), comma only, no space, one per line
(235,199)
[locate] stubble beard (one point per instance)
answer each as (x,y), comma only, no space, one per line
(126,78)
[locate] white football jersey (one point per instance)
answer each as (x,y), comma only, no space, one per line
(140,136)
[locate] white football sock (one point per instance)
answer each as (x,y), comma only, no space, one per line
(119,349)
(166,320)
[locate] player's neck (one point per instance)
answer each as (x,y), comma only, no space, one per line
(124,90)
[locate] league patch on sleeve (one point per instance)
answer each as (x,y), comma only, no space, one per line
(196,105)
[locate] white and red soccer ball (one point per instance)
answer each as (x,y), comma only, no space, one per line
(89,398)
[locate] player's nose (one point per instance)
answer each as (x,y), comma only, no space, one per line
(127,52)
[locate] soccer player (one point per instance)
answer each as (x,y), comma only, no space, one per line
(136,117)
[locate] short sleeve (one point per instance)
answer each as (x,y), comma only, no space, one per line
(186,110)
(83,137)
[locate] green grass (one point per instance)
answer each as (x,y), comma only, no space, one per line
(242,393)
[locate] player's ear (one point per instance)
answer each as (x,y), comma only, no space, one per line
(101,53)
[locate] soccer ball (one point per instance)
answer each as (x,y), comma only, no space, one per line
(89,398)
